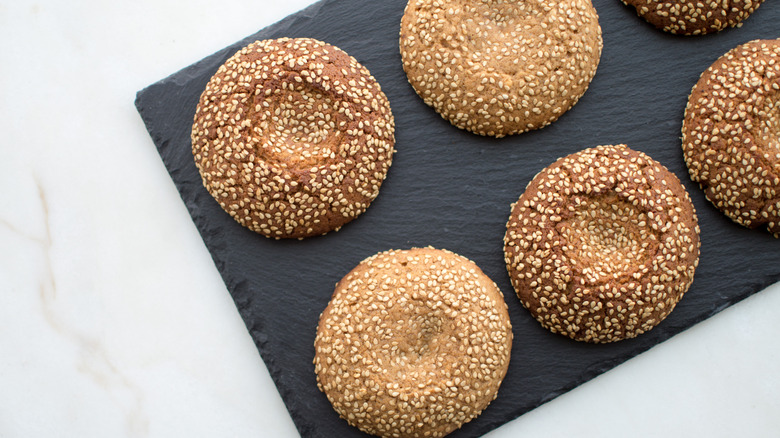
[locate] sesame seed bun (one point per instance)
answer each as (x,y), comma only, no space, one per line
(694,17)
(500,68)
(731,134)
(413,343)
(602,244)
(293,137)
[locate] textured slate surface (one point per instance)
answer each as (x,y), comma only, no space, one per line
(451,189)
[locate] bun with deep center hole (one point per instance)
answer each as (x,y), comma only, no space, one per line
(293,137)
(602,244)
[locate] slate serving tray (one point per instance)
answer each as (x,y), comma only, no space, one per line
(451,189)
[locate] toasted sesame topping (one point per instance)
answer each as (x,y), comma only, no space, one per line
(413,343)
(498,67)
(731,134)
(688,17)
(602,244)
(293,137)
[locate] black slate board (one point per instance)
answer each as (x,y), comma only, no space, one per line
(451,189)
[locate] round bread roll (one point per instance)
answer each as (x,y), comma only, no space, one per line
(413,343)
(500,67)
(694,17)
(731,134)
(602,244)
(293,137)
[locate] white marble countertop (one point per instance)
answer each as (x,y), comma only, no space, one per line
(114,320)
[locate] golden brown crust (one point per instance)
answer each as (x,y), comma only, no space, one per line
(694,17)
(602,244)
(731,134)
(293,137)
(499,68)
(413,343)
